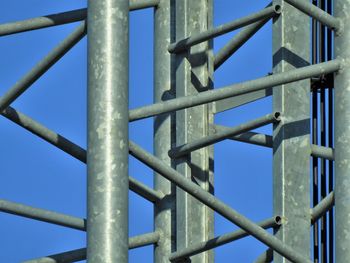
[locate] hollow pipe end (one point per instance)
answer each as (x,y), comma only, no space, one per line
(277,116)
(277,8)
(278,220)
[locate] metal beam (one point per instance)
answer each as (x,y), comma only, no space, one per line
(44,65)
(191,146)
(215,204)
(194,76)
(200,37)
(107,153)
(42,22)
(42,215)
(291,136)
(342,133)
(164,132)
(277,79)
(80,254)
(61,18)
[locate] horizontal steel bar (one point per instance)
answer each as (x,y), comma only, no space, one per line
(234,90)
(322,16)
(215,204)
(72,149)
(185,44)
(80,254)
(61,18)
(265,257)
(42,22)
(237,41)
(220,240)
(322,207)
(43,66)
(248,137)
(322,152)
(222,135)
(42,215)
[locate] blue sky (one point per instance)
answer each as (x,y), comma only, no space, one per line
(37,174)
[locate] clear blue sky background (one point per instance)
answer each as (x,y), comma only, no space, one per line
(37,174)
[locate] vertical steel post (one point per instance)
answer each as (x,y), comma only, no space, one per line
(194,74)
(107,155)
(164,132)
(291,142)
(342,133)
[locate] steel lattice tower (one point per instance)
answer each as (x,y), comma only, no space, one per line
(310,89)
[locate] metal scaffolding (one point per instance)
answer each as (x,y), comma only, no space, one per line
(309,85)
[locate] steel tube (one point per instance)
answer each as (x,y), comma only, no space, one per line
(164,134)
(219,136)
(44,65)
(186,43)
(72,149)
(61,18)
(342,133)
(234,90)
(322,152)
(80,254)
(220,240)
(248,137)
(317,13)
(42,215)
(42,22)
(215,204)
(107,153)
(322,207)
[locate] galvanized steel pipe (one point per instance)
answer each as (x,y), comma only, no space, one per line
(107,153)
(233,90)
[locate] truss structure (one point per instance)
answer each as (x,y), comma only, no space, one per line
(307,73)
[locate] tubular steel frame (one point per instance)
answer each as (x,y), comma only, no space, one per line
(184,130)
